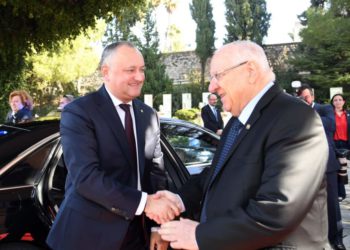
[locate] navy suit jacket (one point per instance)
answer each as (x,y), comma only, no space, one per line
(271,191)
(101,188)
(22,115)
(209,119)
(326,113)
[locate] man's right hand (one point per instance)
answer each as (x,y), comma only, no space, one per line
(161,209)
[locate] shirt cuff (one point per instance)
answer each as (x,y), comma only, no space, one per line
(142,204)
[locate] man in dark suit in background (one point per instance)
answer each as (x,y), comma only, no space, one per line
(266,188)
(111,143)
(326,112)
(211,115)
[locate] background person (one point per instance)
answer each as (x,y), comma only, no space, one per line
(111,144)
(64,101)
(342,130)
(266,189)
(335,227)
(211,115)
(21,104)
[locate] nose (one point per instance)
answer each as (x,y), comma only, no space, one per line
(140,76)
(213,85)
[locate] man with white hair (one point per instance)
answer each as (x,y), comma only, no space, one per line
(266,188)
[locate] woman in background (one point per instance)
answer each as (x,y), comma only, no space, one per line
(341,134)
(21,105)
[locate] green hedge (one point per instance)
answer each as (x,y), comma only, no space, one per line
(187,114)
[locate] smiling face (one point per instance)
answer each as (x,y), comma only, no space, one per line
(232,86)
(124,73)
(239,71)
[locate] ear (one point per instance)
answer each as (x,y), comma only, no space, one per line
(252,72)
(105,72)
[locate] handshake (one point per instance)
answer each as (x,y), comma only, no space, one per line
(163,206)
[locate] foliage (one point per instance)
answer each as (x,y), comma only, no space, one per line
(202,14)
(187,114)
(246,20)
(119,29)
(174,35)
(157,81)
(53,73)
(194,87)
(29,24)
(325,49)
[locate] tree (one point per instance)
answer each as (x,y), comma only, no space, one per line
(170,6)
(38,25)
(325,49)
(52,73)
(246,20)
(202,14)
(157,82)
(316,4)
(120,27)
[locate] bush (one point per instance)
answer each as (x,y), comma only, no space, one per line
(187,114)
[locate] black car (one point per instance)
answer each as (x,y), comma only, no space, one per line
(33,172)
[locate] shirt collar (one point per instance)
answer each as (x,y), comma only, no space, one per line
(115,100)
(249,108)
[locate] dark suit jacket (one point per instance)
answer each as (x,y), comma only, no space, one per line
(101,188)
(21,116)
(271,189)
(326,113)
(209,119)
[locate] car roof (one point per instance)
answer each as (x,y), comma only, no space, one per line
(14,139)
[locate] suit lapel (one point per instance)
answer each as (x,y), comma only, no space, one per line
(140,132)
(263,102)
(111,117)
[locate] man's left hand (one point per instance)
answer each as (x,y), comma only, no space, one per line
(181,234)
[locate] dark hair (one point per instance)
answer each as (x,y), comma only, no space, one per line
(303,87)
(69,97)
(108,50)
(341,97)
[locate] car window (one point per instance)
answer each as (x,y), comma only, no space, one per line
(28,169)
(195,147)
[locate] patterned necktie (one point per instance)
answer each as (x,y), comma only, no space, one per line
(129,131)
(231,136)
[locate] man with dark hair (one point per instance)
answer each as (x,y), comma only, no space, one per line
(111,144)
(211,115)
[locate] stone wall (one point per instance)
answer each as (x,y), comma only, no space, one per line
(180,65)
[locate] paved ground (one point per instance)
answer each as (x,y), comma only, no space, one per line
(345,210)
